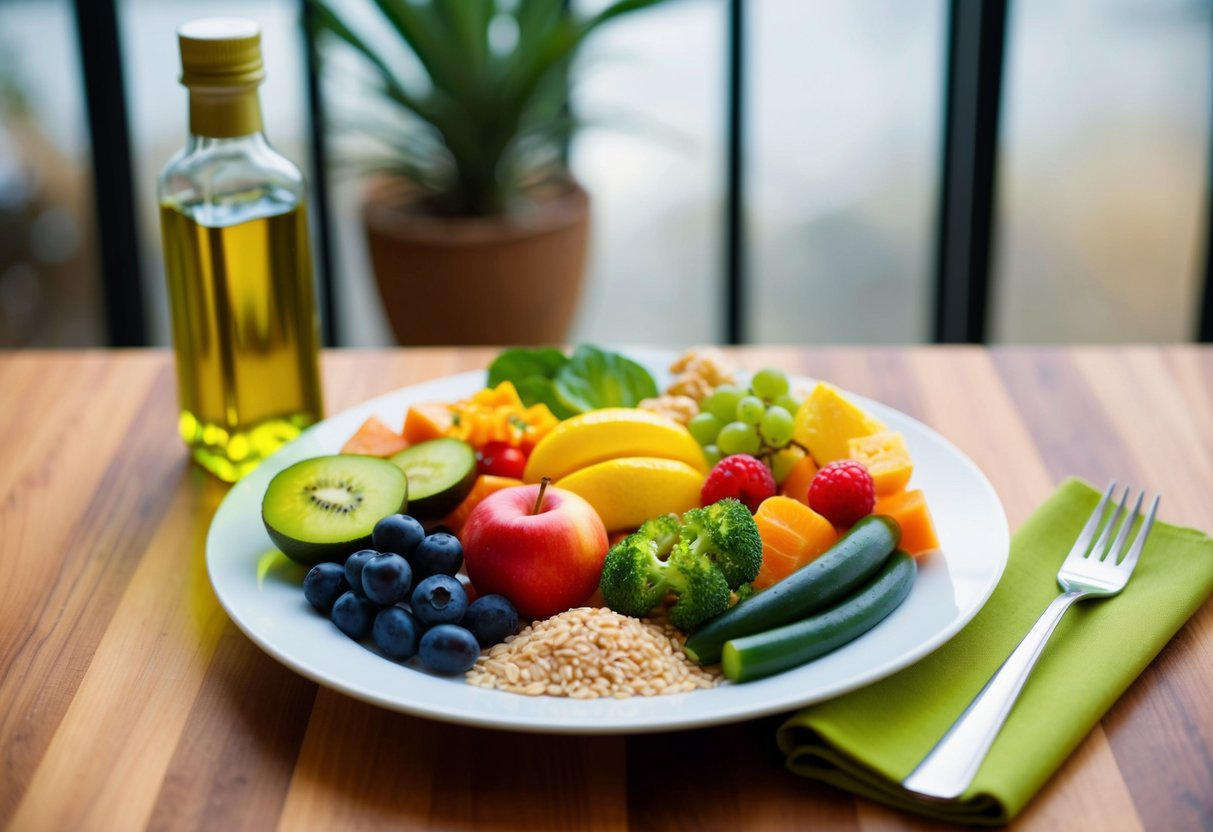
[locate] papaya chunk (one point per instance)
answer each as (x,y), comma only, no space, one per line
(374,438)
(427,421)
(909,509)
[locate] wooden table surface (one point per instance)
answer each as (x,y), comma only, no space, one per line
(129,700)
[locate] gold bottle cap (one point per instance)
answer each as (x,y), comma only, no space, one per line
(220,52)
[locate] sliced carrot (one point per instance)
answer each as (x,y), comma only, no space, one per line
(792,536)
(909,509)
(796,483)
(485,485)
(374,438)
(427,421)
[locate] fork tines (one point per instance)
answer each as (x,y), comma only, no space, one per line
(1101,550)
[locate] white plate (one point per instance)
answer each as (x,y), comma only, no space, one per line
(262,593)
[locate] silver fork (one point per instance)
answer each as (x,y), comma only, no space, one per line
(1097,571)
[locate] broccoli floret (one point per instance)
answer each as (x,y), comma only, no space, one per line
(634,578)
(742,593)
(725,533)
(702,590)
(646,566)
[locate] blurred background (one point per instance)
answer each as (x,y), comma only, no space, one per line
(1099,222)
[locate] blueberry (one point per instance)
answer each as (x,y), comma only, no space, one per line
(353,614)
(396,633)
(438,554)
(397,533)
(386,579)
(448,648)
(439,599)
(354,564)
(491,618)
(324,582)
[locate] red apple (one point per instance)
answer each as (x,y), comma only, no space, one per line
(541,547)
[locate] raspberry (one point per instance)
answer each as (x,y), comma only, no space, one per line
(740,476)
(842,492)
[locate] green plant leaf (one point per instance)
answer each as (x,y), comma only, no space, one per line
(467,22)
(328,21)
(618,9)
(501,114)
(421,27)
(594,378)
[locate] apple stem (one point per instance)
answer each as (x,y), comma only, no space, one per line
(543,486)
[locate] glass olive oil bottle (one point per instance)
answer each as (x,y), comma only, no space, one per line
(238,264)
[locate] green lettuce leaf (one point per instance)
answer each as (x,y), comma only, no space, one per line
(518,363)
(593,378)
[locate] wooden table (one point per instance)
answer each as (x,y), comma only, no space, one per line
(129,700)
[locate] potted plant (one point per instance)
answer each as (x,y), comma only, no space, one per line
(477,231)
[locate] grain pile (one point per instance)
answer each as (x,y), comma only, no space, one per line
(588,653)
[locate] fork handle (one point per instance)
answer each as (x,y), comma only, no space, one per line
(952,764)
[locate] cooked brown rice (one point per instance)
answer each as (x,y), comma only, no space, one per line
(592,652)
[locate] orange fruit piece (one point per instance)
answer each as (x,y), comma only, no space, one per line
(374,438)
(796,483)
(427,421)
(485,485)
(909,509)
(792,536)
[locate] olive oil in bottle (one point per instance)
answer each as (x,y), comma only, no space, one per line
(238,266)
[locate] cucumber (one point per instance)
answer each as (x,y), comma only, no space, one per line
(763,654)
(853,559)
(441,472)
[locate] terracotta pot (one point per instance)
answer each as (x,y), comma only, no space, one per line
(514,279)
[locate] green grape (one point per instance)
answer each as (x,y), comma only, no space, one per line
(750,410)
(704,427)
(776,426)
(788,402)
(723,402)
(738,438)
(712,454)
(769,383)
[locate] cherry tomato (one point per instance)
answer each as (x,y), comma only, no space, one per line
(501,459)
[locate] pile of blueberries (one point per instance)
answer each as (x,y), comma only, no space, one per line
(367,596)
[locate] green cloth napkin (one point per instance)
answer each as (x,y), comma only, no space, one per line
(869,740)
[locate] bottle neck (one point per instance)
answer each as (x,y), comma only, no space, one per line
(253,142)
(224,113)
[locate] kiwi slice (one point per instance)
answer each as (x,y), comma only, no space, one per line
(441,473)
(324,509)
